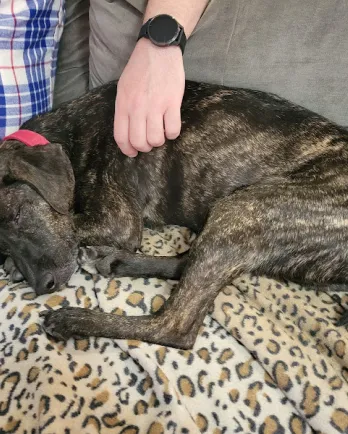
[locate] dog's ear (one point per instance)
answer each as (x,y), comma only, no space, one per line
(48,170)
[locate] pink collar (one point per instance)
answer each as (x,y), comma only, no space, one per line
(29,138)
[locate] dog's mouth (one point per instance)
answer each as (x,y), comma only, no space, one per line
(43,281)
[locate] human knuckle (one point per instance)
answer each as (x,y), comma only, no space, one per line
(156,140)
(172,133)
(141,146)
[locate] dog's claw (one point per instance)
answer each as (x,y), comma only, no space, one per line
(85,255)
(50,330)
(343,321)
(44,313)
(9,265)
(16,276)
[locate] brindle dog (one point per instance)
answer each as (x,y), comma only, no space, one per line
(263,182)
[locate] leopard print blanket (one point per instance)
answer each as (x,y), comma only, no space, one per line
(269,359)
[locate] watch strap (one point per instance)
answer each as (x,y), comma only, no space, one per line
(143,31)
(181,39)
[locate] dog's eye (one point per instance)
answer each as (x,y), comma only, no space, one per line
(18,216)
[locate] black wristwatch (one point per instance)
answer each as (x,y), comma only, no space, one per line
(164,30)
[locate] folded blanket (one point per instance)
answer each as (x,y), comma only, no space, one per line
(30,31)
(268,359)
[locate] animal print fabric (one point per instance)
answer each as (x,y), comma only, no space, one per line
(268,360)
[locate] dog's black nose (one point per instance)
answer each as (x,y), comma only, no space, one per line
(47,284)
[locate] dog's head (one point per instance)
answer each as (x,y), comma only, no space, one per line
(36,222)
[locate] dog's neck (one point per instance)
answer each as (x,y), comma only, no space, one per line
(27,137)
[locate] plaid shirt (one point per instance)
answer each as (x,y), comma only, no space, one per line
(30,32)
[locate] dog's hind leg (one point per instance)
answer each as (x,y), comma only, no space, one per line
(294,230)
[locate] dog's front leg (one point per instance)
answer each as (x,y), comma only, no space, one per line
(215,258)
(176,325)
(121,263)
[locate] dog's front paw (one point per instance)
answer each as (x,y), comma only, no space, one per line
(12,271)
(105,266)
(105,260)
(88,257)
(67,322)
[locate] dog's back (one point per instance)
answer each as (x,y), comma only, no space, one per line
(230,138)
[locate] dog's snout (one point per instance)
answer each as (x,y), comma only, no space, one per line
(46,284)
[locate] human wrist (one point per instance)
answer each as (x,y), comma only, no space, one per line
(172,52)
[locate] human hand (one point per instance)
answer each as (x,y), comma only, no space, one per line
(149,97)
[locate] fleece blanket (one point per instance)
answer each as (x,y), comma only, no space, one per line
(268,359)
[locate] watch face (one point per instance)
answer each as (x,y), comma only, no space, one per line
(163,30)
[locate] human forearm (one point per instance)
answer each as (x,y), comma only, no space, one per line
(151,88)
(187,13)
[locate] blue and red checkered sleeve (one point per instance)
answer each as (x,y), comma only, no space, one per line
(30,31)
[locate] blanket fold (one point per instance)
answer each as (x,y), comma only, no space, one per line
(268,359)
